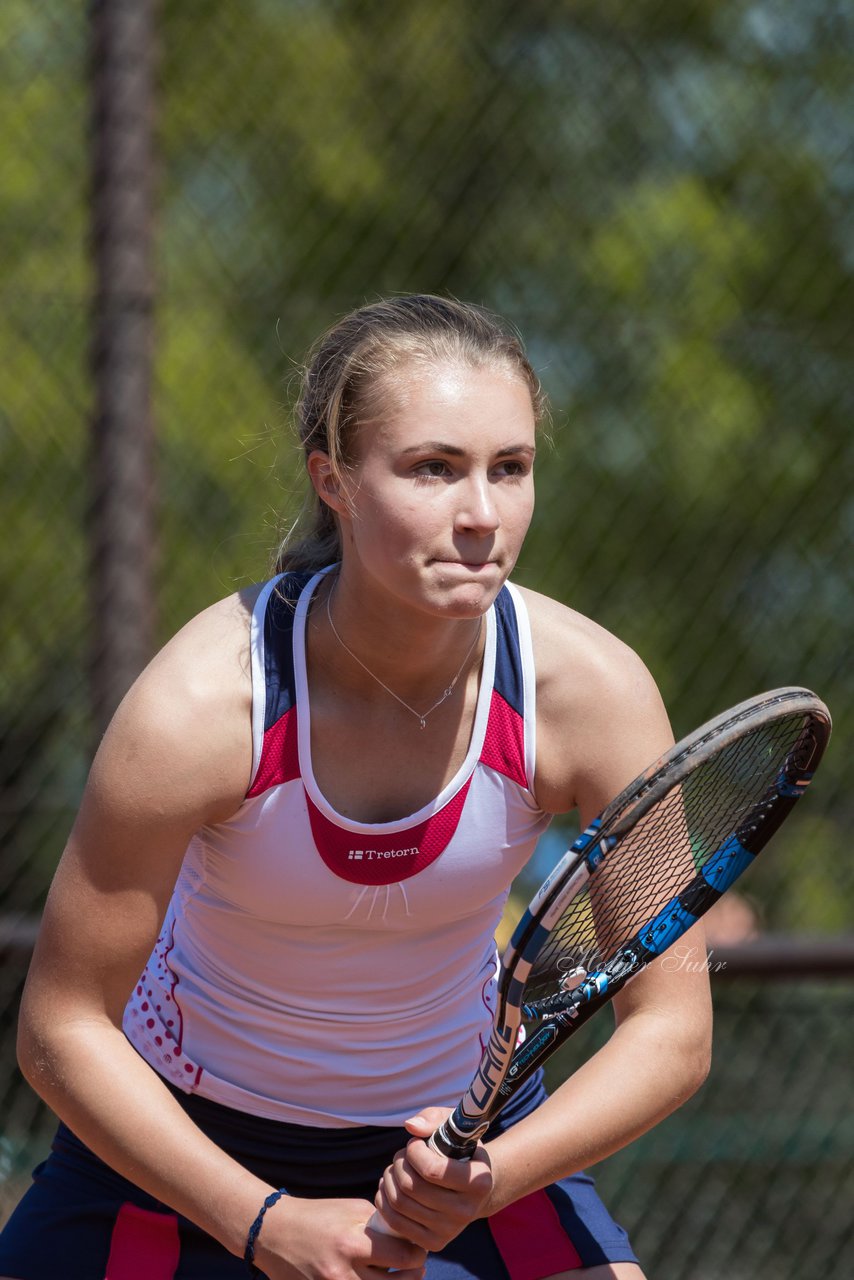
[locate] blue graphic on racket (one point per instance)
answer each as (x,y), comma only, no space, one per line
(656,859)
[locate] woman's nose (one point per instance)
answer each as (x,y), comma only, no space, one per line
(478,509)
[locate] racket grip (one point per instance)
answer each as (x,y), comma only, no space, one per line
(448,1143)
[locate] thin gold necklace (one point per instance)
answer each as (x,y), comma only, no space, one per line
(420,716)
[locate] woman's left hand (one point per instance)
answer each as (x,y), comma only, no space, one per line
(427,1198)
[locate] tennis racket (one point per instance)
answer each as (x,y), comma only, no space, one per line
(657,858)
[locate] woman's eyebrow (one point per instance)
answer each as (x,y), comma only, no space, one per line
(437,446)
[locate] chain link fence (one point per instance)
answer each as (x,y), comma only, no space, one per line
(658,195)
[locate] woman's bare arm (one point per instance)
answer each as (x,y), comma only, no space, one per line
(173,759)
(176,757)
(600,721)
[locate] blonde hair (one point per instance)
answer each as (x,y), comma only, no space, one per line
(343,382)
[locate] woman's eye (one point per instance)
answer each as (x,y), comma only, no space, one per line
(433,468)
(513,467)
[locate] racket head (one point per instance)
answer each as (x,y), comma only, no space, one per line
(804,748)
(660,854)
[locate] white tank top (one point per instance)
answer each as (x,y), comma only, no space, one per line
(327,972)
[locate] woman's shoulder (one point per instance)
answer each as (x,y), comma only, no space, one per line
(186,721)
(567,642)
(211,647)
(600,718)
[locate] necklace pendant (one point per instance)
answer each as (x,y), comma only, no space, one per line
(422,720)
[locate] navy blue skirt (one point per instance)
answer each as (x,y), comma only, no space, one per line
(82,1221)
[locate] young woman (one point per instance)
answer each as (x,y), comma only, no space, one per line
(266,960)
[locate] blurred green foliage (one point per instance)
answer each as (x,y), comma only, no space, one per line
(658,197)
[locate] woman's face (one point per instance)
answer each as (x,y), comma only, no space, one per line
(442,490)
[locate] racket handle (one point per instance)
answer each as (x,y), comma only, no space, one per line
(448,1141)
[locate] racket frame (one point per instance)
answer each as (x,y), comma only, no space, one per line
(503,1057)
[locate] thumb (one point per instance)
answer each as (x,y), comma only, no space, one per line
(426,1121)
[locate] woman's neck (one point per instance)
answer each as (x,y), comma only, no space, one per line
(395,651)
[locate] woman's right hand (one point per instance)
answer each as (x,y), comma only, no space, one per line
(330,1240)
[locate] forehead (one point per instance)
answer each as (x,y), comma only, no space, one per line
(454,402)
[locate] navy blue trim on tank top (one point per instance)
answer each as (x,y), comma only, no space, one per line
(280,679)
(509,677)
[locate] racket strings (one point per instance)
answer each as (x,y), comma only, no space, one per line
(689,845)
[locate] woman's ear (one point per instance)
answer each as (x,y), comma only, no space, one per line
(327,485)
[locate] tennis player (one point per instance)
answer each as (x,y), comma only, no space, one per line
(266,964)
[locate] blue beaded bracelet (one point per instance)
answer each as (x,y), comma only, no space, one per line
(249,1253)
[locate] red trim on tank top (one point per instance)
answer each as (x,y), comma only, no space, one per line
(279,755)
(504,741)
(381,858)
(376,858)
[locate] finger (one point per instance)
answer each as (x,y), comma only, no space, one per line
(393,1244)
(423,1162)
(402,1185)
(417,1233)
(399,1254)
(448,1213)
(372,1273)
(426,1121)
(455,1175)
